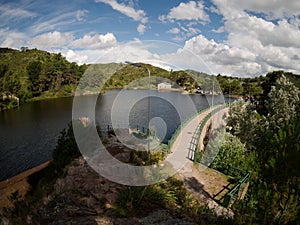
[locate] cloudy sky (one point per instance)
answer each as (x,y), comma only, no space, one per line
(231,37)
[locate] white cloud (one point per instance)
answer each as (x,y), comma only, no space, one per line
(14,12)
(254,45)
(178,38)
(137,15)
(54,23)
(184,31)
(80,14)
(97,41)
(141,28)
(12,39)
(118,53)
(276,9)
(174,30)
(245,58)
(75,57)
(187,11)
(219,30)
(51,40)
(283,34)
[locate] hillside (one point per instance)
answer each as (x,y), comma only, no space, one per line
(128,74)
(32,73)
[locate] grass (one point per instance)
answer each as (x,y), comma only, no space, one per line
(214,182)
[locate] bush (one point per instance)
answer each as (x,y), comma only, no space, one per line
(66,149)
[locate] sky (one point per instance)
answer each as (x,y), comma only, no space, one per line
(230,37)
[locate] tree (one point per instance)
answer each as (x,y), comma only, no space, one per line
(282,103)
(274,193)
(246,123)
(34,69)
(230,152)
(3,70)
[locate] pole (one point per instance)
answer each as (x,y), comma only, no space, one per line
(149,80)
(148,144)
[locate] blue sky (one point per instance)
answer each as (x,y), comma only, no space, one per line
(231,38)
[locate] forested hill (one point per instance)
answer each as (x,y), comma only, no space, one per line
(32,73)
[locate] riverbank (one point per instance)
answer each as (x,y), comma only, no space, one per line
(18,185)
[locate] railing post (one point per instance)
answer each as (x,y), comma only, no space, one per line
(195,154)
(227,200)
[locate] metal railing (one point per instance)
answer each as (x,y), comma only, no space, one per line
(202,125)
(179,128)
(230,170)
(235,191)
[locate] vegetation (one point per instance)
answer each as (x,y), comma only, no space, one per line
(263,136)
(132,77)
(250,87)
(271,133)
(256,88)
(34,74)
(42,182)
(170,195)
(232,156)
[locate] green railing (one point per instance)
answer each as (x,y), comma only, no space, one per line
(235,190)
(180,127)
(241,175)
(231,170)
(202,125)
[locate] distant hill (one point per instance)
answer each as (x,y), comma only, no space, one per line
(132,76)
(31,74)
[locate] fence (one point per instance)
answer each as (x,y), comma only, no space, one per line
(202,125)
(229,170)
(235,191)
(179,128)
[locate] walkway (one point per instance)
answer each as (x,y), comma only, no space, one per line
(183,148)
(206,184)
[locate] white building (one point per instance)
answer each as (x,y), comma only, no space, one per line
(164,86)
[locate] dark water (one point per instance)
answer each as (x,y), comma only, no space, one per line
(29,134)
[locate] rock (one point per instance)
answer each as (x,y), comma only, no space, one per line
(123,157)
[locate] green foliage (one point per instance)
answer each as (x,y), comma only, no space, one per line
(66,149)
(282,103)
(96,76)
(273,197)
(246,123)
(34,73)
(231,153)
(169,194)
(241,86)
(188,80)
(34,69)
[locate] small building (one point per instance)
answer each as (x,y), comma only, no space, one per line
(164,86)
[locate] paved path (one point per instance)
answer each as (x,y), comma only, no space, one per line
(203,183)
(183,148)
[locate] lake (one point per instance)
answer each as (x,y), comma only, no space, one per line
(29,134)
